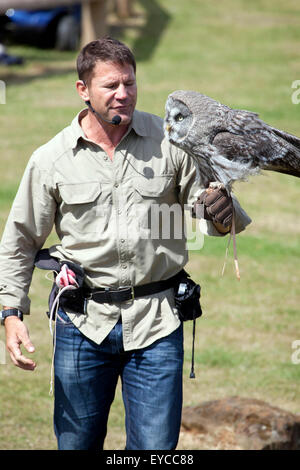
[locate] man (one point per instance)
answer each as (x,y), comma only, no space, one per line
(97,181)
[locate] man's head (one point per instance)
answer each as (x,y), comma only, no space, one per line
(106,70)
(105,49)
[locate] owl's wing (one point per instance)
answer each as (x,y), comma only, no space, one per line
(251,141)
(292,139)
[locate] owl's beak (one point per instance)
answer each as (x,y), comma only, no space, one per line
(168,127)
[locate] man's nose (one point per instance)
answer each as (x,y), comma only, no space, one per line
(121,92)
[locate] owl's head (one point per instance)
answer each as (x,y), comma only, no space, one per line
(178,121)
(190,118)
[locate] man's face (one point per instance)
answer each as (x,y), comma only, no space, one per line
(112,90)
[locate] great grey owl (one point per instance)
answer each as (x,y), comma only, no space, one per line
(227,144)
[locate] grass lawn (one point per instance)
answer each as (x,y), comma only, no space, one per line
(245,54)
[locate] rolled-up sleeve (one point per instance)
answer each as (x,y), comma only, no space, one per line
(29,223)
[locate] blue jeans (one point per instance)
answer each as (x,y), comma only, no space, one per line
(86,376)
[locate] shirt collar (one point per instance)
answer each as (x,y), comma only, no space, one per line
(137,124)
(76,129)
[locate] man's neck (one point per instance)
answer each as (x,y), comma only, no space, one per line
(104,134)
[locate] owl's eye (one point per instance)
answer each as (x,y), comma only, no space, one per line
(179,117)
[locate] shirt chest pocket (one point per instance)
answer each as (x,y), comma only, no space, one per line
(83,206)
(159,189)
(153,197)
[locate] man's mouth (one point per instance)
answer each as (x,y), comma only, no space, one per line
(121,108)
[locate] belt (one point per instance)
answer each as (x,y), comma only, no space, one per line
(124,293)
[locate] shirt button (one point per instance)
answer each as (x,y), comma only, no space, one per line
(116,185)
(105,158)
(124,266)
(122,240)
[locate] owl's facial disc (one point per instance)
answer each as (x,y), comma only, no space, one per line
(178,117)
(177,122)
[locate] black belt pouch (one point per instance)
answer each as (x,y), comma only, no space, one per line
(187,298)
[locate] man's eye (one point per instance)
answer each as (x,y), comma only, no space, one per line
(179,117)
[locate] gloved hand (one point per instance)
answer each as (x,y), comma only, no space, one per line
(215,205)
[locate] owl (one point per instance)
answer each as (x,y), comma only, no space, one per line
(226,144)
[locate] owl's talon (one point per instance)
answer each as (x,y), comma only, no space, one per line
(216,185)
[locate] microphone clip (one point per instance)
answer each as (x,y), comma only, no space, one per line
(116,120)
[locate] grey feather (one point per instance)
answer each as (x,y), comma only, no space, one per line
(226,144)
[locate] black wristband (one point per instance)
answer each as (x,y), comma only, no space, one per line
(10,312)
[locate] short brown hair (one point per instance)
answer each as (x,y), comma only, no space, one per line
(106,49)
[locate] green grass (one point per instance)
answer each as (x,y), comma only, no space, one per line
(245,54)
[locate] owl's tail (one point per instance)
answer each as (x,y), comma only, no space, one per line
(287,160)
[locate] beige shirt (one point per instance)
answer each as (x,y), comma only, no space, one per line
(105,214)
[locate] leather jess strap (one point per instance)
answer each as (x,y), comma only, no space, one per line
(122,294)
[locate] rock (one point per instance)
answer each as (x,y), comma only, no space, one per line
(242,423)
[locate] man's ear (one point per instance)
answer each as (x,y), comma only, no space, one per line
(82,90)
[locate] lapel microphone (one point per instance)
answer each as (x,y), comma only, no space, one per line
(116,120)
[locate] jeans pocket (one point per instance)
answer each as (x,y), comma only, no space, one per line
(63,319)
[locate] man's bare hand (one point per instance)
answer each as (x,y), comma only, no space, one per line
(17,334)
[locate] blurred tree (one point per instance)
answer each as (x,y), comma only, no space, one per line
(124,8)
(93,20)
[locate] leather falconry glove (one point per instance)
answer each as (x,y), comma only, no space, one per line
(215,205)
